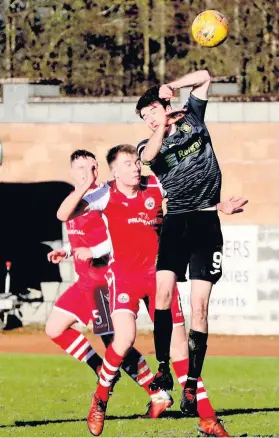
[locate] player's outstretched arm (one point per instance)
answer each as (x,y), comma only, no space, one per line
(72,206)
(199,81)
(232,205)
(82,201)
(154,144)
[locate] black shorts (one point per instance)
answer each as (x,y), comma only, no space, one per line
(193,239)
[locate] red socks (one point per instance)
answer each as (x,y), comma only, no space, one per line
(205,410)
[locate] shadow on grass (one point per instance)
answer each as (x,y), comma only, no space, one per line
(227,412)
(170,414)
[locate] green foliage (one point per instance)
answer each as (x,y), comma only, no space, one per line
(119,47)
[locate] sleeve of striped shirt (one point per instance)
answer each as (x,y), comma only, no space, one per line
(163,192)
(140,149)
(97,199)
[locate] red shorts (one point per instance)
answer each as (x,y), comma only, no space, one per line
(125,294)
(88,300)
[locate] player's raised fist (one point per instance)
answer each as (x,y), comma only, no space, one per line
(90,174)
(56,255)
(166,92)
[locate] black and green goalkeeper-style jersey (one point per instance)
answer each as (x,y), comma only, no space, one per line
(186,164)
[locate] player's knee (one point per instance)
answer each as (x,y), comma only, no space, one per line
(122,344)
(200,313)
(163,297)
(124,324)
(52,331)
(122,348)
(165,287)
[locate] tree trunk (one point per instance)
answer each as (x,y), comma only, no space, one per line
(120,43)
(144,17)
(162,59)
(236,19)
(13,44)
(2,10)
(8,46)
(267,22)
(272,29)
(236,22)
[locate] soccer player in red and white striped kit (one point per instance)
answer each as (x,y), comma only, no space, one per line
(90,245)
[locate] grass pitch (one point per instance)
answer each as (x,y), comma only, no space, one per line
(50,396)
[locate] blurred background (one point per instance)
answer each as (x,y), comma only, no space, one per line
(118,48)
(71,73)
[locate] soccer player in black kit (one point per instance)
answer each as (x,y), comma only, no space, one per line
(181,155)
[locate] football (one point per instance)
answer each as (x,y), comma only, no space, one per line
(210,28)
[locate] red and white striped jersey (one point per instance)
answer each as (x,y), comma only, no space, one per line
(133,223)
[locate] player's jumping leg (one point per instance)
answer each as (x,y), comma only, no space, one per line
(197,345)
(166,281)
(208,424)
(197,342)
(136,367)
(58,329)
(107,340)
(180,363)
(134,363)
(124,337)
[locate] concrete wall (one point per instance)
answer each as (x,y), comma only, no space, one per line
(21,103)
(248,154)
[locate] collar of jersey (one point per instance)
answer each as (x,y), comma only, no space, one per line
(122,194)
(169,136)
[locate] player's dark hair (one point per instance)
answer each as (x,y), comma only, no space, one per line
(121,148)
(150,96)
(81,153)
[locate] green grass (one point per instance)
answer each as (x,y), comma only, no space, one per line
(50,396)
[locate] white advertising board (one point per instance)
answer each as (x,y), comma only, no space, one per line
(236,291)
